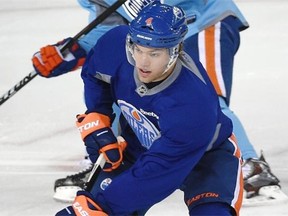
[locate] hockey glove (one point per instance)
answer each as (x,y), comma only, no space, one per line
(98,138)
(50,62)
(82,205)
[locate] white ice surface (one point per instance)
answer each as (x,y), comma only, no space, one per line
(38,140)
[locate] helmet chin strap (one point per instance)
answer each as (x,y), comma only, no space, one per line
(173,57)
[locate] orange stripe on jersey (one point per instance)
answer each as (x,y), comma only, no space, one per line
(233,140)
(237,202)
(238,194)
(210,57)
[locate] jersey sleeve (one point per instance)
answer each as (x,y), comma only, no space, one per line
(99,70)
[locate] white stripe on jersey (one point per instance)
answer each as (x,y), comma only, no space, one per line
(217,55)
(218,68)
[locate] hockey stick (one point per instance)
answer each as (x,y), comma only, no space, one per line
(98,166)
(87,29)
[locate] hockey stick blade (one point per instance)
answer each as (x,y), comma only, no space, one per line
(12,91)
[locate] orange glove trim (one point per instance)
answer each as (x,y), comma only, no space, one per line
(121,145)
(50,60)
(40,67)
(89,123)
(80,207)
(50,57)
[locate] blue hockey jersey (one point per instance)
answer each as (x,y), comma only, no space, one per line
(168,127)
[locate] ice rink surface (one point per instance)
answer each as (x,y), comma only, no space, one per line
(39,142)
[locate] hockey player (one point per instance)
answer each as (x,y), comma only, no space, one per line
(210,23)
(177,135)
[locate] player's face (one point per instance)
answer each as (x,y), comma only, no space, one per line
(151,63)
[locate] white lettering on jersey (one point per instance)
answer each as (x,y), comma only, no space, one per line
(132,7)
(149,114)
(144,129)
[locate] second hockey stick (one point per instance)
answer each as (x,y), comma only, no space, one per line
(87,29)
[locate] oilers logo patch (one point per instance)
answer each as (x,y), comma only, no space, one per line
(105,183)
(140,124)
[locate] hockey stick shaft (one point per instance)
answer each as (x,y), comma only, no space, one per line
(17,87)
(87,29)
(95,22)
(98,166)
